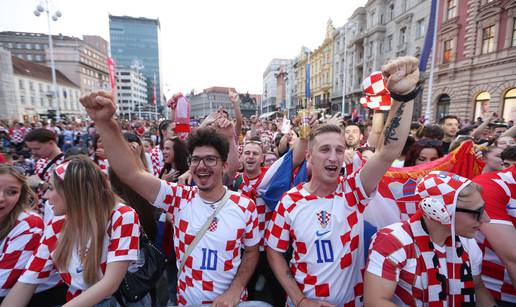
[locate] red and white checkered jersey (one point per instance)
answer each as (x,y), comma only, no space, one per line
(17,248)
(325,233)
(250,189)
(156,156)
(104,165)
(121,243)
(393,256)
(211,267)
(499,194)
(40,167)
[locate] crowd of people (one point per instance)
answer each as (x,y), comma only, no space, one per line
(116,213)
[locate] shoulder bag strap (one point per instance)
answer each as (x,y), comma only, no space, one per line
(49,164)
(202,231)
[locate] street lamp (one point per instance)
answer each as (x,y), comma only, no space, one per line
(348,28)
(56,14)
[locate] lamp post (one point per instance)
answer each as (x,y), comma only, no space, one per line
(349,28)
(45,7)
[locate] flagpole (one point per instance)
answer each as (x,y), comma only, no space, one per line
(428,112)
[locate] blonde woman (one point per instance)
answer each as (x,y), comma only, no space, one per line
(20,233)
(92,241)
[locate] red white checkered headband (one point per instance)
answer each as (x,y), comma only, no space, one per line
(439,192)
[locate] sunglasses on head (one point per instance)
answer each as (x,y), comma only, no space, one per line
(428,142)
(478,212)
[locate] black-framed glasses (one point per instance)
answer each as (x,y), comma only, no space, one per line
(208,160)
(478,212)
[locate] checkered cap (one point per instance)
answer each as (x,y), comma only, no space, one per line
(377,96)
(439,191)
(61,170)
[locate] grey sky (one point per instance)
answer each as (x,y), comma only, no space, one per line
(204,42)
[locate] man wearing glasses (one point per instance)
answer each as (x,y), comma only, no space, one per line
(216,272)
(498,238)
(414,263)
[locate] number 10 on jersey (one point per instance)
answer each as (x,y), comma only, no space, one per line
(324,251)
(209,259)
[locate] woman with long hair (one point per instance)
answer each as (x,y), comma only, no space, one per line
(92,241)
(423,151)
(175,155)
(20,233)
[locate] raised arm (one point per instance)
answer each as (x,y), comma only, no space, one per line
(235,100)
(101,107)
(402,75)
(485,124)
(375,135)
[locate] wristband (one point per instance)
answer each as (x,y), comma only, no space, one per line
(410,96)
(299,303)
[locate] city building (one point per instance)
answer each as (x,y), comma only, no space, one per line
(83,61)
(475,68)
(300,69)
(339,54)
(9,109)
(377,32)
(135,42)
(290,87)
(33,100)
(131,91)
(321,67)
(210,100)
(271,98)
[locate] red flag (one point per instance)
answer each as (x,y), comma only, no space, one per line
(398,185)
(111,70)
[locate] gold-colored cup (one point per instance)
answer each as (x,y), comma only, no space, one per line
(304,128)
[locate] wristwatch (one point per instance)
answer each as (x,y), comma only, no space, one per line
(409,96)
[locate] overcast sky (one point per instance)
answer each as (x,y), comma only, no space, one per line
(203,42)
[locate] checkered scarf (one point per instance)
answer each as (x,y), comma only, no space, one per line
(377,96)
(441,290)
(439,191)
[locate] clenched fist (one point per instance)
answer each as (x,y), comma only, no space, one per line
(401,74)
(100,105)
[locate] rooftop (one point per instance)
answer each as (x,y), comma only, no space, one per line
(38,71)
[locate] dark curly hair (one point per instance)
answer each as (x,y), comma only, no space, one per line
(209,137)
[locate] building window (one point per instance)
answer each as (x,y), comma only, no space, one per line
(41,102)
(19,46)
(509,104)
(420,28)
(21,84)
(10,45)
(451,6)
(31,85)
(443,106)
(482,104)
(447,51)
(33,100)
(488,38)
(38,58)
(389,43)
(22,99)
(28,46)
(371,18)
(29,57)
(391,11)
(514,32)
(402,36)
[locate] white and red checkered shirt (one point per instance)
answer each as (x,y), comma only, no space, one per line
(40,167)
(393,256)
(17,248)
(156,157)
(499,194)
(121,243)
(211,267)
(249,187)
(328,256)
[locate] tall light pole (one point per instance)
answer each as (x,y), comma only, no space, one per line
(45,7)
(347,30)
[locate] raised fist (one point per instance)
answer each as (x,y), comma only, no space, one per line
(100,105)
(401,74)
